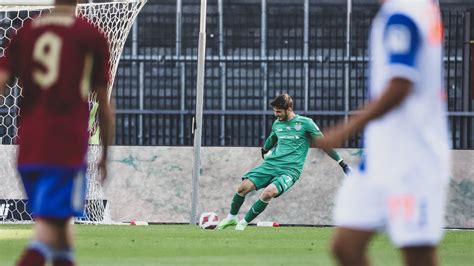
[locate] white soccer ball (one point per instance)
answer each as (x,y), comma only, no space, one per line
(208,220)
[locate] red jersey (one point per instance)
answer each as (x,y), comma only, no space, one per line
(58,58)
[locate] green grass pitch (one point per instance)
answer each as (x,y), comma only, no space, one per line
(190,245)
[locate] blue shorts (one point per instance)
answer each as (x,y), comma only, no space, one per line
(54,192)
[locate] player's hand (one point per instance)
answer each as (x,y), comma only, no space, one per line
(102,167)
(346,168)
(263,152)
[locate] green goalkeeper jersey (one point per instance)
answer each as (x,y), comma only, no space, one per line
(289,142)
(94,130)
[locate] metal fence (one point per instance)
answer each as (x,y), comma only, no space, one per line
(256,50)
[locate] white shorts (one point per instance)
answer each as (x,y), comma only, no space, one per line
(412,214)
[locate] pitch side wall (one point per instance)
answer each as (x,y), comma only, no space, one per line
(154,184)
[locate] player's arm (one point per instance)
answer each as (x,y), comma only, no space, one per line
(269,143)
(396,92)
(315,136)
(402,41)
(106,125)
(101,78)
(4,78)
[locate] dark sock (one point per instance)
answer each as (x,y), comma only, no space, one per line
(237,202)
(63,257)
(31,257)
(60,262)
(36,254)
(255,210)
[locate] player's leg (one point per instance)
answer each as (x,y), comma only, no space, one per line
(64,256)
(58,195)
(237,200)
(282,182)
(358,214)
(239,197)
(74,205)
(36,252)
(349,246)
(253,180)
(56,233)
(52,240)
(420,256)
(258,207)
(416,220)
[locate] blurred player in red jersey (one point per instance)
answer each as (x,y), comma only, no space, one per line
(58,59)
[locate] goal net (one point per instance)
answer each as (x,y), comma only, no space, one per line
(116,19)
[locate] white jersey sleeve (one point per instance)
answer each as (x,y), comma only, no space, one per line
(402,42)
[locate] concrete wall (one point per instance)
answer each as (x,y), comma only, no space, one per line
(154,184)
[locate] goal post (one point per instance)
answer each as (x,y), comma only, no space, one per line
(115,18)
(12,3)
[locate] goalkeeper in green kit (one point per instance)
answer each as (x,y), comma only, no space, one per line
(284,153)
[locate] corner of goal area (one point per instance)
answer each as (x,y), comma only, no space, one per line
(96,212)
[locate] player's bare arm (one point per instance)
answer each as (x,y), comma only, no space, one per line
(397,91)
(4,78)
(331,153)
(106,125)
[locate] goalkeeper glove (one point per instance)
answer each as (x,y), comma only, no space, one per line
(263,152)
(346,168)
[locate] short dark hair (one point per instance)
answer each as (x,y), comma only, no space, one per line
(282,101)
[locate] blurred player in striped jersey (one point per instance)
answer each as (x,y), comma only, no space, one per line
(284,153)
(58,59)
(400,186)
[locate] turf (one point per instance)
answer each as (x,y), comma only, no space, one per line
(189,245)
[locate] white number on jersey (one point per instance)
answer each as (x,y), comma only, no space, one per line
(47,52)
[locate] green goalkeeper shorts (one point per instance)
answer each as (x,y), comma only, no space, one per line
(265,174)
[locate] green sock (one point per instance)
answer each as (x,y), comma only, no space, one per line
(237,202)
(255,210)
